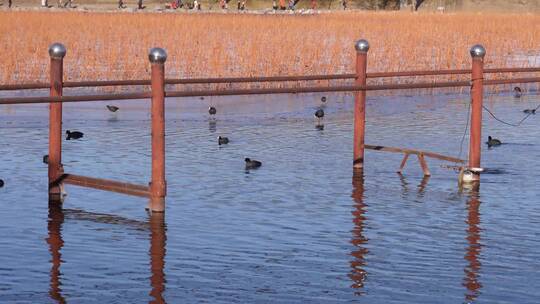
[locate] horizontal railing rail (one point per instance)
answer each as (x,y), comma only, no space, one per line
(109,83)
(262,91)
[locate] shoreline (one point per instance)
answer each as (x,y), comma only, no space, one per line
(159,7)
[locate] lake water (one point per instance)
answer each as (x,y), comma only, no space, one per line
(304,228)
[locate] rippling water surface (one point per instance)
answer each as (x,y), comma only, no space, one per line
(304,228)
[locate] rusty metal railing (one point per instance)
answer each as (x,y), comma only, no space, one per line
(261,91)
(109,83)
(156,190)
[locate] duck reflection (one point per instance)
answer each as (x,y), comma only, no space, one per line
(55,242)
(471,280)
(357,273)
(212,125)
(158,240)
(155,225)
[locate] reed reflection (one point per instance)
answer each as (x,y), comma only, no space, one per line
(55,242)
(358,274)
(471,281)
(158,241)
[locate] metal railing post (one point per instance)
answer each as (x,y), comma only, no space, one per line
(158,185)
(362,47)
(57,51)
(477,94)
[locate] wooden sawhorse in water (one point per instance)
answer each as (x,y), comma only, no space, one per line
(420,154)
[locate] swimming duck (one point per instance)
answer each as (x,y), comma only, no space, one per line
(222,140)
(517,92)
(1,183)
(46,159)
(529,111)
(113,108)
(252,164)
(73,135)
(323,99)
(319,113)
(212,111)
(493,142)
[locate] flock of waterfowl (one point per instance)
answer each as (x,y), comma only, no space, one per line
(222,140)
(254,164)
(518,93)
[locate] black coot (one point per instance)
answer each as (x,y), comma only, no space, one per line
(252,164)
(73,135)
(493,142)
(113,108)
(222,140)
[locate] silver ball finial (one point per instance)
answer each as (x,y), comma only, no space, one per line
(362,45)
(157,55)
(57,50)
(478,51)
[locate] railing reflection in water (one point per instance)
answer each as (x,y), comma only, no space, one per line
(471,280)
(55,241)
(157,251)
(358,273)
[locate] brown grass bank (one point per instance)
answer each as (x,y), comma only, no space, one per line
(115,45)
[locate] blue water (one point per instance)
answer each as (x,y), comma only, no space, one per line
(304,228)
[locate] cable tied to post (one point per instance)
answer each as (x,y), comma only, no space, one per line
(507,123)
(465,131)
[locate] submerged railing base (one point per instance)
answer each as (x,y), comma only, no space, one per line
(106,185)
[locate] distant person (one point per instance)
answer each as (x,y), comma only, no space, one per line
(140,4)
(313,4)
(282,5)
(44,3)
(195,4)
(291,5)
(121,4)
(274,5)
(344,4)
(10,2)
(69,3)
(224,5)
(241,5)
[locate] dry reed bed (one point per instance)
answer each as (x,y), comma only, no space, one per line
(115,45)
